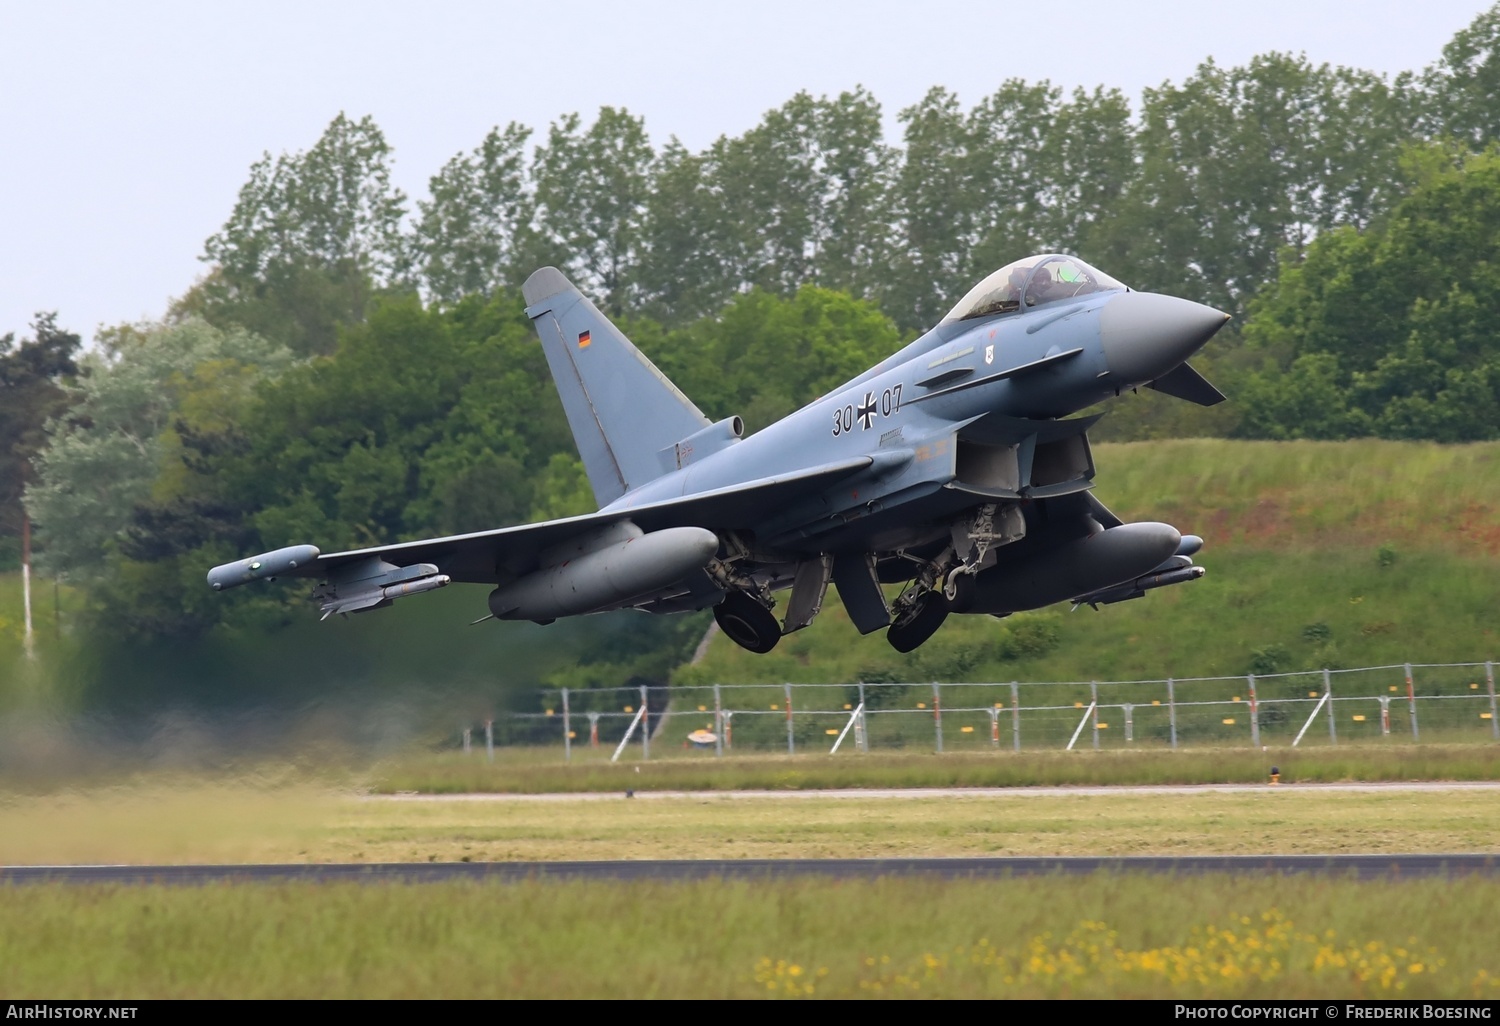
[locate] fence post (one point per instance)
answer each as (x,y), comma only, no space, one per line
(862,737)
(567,729)
(1129,710)
(1254,714)
(937,716)
(1489,678)
(718,724)
(489,740)
(1015,715)
(1333,731)
(470,730)
(645,725)
(593,730)
(729,730)
(1411,704)
(1172,711)
(791,745)
(1385,715)
(1094,696)
(994,727)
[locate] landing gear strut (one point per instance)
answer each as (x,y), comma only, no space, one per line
(749,624)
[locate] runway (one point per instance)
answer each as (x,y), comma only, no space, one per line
(1364,867)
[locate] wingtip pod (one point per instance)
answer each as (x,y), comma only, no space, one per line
(261,567)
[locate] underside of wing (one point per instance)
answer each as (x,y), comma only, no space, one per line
(498,556)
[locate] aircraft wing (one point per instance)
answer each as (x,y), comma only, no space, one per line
(494,557)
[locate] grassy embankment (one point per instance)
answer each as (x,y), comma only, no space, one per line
(1339,554)
(1098,937)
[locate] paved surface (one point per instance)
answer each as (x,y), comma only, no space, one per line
(1362,866)
(959,792)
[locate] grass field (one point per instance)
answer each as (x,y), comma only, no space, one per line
(227,823)
(521,770)
(1099,937)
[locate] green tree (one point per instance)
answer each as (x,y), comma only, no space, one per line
(935,200)
(765,356)
(591,191)
(1462,90)
(464,241)
(1395,324)
(1239,164)
(1025,170)
(33,390)
(425,421)
(685,271)
(147,390)
(1088,163)
(799,199)
(311,237)
(805,190)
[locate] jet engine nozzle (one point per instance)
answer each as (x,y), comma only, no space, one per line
(1145,335)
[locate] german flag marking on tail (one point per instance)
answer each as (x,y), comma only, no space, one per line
(583,340)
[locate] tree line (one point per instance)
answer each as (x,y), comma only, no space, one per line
(354,368)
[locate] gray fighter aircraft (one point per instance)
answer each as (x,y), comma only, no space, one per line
(948,467)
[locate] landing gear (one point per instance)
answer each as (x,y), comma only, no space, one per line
(749,624)
(959,590)
(927,613)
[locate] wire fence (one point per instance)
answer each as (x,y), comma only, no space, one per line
(1410,701)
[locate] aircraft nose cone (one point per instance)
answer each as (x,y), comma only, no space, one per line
(1145,335)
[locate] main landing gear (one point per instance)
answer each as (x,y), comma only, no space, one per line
(923,607)
(921,621)
(749,624)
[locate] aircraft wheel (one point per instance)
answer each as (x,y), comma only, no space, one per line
(932,611)
(749,624)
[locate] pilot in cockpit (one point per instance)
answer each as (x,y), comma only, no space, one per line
(1039,289)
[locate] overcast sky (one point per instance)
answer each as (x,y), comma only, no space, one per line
(127,129)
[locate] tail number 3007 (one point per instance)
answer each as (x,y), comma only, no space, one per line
(867,412)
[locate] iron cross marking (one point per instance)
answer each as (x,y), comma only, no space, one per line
(866,412)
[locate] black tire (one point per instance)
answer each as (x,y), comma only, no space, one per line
(909,636)
(748,624)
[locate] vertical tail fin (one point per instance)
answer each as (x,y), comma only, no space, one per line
(623,411)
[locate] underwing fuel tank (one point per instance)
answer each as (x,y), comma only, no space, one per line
(606,576)
(1086,565)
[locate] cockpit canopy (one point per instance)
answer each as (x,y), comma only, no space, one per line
(1034,281)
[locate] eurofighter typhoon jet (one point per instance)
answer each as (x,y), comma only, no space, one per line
(951,468)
